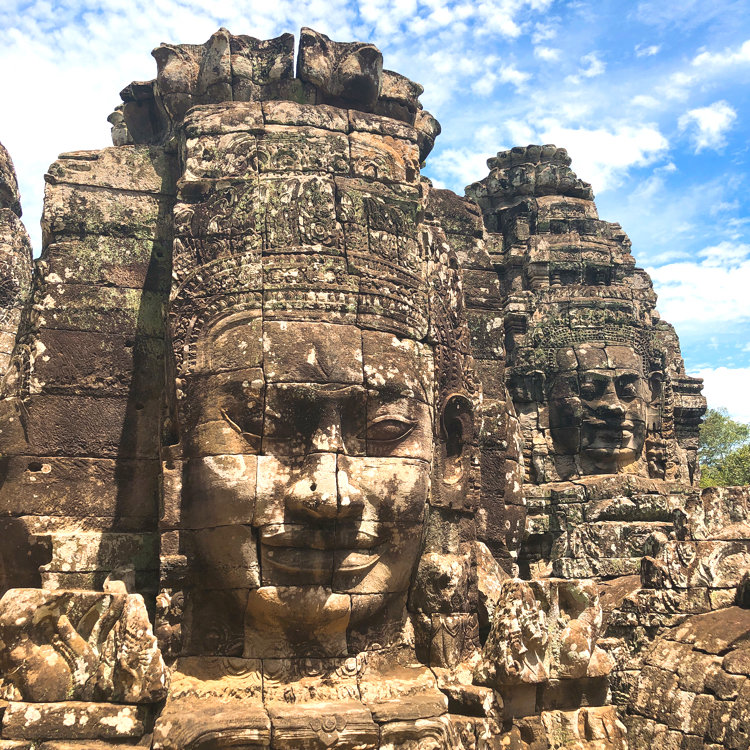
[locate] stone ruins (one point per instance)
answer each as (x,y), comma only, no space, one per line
(298,451)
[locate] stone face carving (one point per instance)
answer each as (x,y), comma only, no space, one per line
(596,380)
(305,397)
(256,392)
(597,406)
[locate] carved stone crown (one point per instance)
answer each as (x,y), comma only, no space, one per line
(582,325)
(310,283)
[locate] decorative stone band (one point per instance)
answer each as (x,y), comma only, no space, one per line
(307,283)
(605,326)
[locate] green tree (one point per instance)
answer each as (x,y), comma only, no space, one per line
(724,450)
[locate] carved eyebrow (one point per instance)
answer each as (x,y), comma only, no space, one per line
(313,391)
(392,390)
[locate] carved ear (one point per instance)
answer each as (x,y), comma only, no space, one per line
(655,404)
(656,383)
(457,436)
(536,385)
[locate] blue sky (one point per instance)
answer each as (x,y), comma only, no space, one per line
(650,97)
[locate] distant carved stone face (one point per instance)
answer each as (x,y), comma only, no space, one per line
(316,465)
(598,400)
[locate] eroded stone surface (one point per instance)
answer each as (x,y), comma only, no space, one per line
(78,646)
(694,685)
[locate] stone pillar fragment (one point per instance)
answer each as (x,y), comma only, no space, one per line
(15,260)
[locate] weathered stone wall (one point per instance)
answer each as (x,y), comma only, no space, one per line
(84,396)
(15,260)
(694,688)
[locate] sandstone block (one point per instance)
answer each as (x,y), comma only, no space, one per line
(348,724)
(72,211)
(41,721)
(384,158)
(96,427)
(83,307)
(125,491)
(205,721)
(318,116)
(91,363)
(101,260)
(143,169)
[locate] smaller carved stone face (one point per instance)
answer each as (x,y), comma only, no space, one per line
(598,400)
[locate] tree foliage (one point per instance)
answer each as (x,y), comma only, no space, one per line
(724,450)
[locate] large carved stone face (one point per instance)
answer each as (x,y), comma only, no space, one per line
(310,447)
(598,399)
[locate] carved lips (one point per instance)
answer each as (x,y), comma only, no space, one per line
(356,547)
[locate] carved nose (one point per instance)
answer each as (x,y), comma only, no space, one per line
(327,437)
(314,494)
(324,491)
(612,406)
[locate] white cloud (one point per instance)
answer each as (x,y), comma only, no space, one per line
(645,101)
(593,66)
(511,74)
(387,15)
(602,156)
(543,32)
(459,166)
(506,17)
(725,254)
(548,54)
(519,132)
(677,86)
(727,387)
(729,57)
(711,292)
(708,125)
(486,137)
(647,51)
(485,85)
(704,67)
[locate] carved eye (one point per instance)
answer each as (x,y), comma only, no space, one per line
(589,389)
(389,428)
(250,430)
(628,389)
